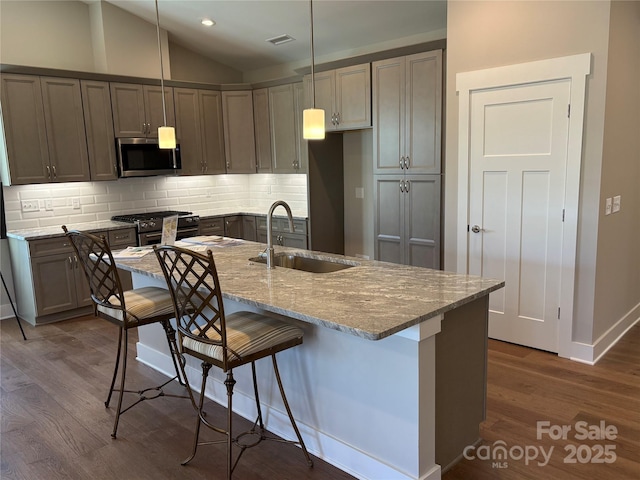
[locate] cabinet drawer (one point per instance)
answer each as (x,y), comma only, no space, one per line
(212,226)
(124,237)
(282,225)
(49,246)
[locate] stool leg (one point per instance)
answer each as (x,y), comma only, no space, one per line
(13,307)
(173,348)
(115,370)
(286,405)
(124,372)
(205,373)
(255,390)
(229,382)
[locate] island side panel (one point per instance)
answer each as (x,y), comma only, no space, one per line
(461,380)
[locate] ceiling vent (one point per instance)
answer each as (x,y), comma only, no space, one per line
(280,39)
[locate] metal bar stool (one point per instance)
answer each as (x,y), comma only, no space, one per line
(206,333)
(126,309)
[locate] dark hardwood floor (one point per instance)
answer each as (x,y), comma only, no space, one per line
(54,424)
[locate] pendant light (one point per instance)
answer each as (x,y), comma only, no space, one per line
(166,134)
(312,118)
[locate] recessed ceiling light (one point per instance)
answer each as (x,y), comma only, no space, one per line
(280,39)
(207,22)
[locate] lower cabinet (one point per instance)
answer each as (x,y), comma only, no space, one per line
(407,219)
(233,226)
(281,234)
(48,277)
(211,226)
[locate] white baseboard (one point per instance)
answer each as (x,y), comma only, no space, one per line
(331,450)
(6,311)
(590,354)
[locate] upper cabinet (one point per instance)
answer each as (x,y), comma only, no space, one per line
(262,128)
(407,109)
(239,138)
(277,113)
(345,96)
(44,130)
(138,111)
(199,131)
(98,122)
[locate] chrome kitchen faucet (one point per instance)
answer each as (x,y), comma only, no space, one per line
(270,232)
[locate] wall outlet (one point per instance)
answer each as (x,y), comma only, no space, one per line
(616,203)
(30,205)
(607,206)
(75,203)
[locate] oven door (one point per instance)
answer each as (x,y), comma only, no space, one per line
(154,238)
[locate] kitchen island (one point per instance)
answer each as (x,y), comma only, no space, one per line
(390,382)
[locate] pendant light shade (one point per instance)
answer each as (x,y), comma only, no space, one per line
(312,118)
(166,137)
(313,124)
(166,134)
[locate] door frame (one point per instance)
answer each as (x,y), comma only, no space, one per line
(575,68)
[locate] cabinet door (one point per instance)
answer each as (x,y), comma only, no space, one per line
(154,113)
(262,126)
(389,218)
(283,129)
(302,149)
(188,131)
(54,283)
(83,292)
(127,104)
(98,122)
(325,94)
(422,221)
(239,139)
(423,112)
(66,135)
(212,132)
(249,230)
(388,115)
(24,129)
(233,226)
(293,240)
(353,97)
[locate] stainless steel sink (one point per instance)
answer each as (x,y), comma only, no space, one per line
(306,264)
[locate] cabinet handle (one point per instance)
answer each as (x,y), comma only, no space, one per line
(70,262)
(228,164)
(402,185)
(55,174)
(338,118)
(48,172)
(407,186)
(402,163)
(406,162)
(75,261)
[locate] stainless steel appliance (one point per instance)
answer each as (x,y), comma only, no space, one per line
(141,157)
(149,225)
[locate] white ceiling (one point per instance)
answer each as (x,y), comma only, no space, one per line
(242,26)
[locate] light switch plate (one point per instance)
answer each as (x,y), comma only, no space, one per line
(48,204)
(359,192)
(616,203)
(607,206)
(75,202)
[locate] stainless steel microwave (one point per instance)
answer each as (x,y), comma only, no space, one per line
(142,157)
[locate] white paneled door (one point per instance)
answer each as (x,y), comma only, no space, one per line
(518,166)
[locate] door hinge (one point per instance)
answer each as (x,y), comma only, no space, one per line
(558,313)
(468,228)
(563,214)
(569,111)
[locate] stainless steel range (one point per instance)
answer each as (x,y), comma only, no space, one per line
(149,225)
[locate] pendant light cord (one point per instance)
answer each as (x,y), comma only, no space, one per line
(164,108)
(313,82)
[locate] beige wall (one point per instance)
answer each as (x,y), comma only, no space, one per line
(188,65)
(618,257)
(46,34)
(483,34)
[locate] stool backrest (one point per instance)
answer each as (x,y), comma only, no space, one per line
(99,268)
(192,279)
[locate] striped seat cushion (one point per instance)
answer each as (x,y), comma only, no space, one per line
(142,302)
(247,333)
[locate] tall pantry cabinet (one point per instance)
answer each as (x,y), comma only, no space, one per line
(407,116)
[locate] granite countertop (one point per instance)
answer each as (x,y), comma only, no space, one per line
(372,300)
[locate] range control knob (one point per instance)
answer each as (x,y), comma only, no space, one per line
(152,224)
(143,224)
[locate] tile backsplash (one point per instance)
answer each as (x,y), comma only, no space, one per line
(205,195)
